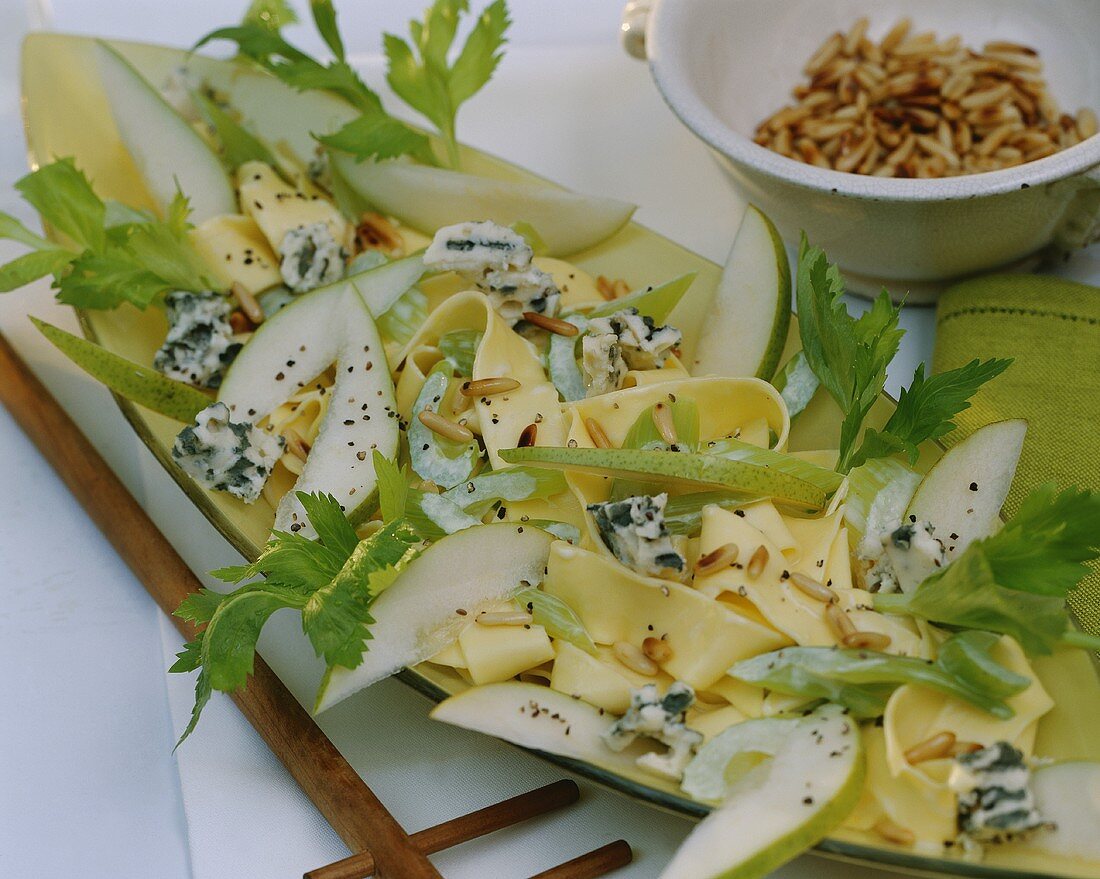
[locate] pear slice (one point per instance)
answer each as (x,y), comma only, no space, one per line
(512,711)
(1068,795)
(676,468)
(328,325)
(168,152)
(963,493)
(381,287)
(135,382)
(427,198)
(440,592)
(782,807)
(746,329)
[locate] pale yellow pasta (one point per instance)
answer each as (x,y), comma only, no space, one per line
(302,414)
(753,701)
(502,353)
(710,723)
(600,680)
(418,363)
(673,370)
(764,517)
(814,538)
(615,604)
(499,653)
(578,288)
(450,656)
(755,433)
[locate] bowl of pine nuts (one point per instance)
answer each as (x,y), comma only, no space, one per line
(918,143)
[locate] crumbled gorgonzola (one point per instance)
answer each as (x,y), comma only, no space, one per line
(643,344)
(634,530)
(311,257)
(995,801)
(661,719)
(477,248)
(902,557)
(497,260)
(199,345)
(232,456)
(602,361)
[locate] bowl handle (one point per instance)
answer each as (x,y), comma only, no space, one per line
(1080,224)
(632,28)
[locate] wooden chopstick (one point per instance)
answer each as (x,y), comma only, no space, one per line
(464,828)
(602,860)
(345,800)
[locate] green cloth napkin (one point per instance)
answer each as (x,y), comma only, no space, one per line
(1051,327)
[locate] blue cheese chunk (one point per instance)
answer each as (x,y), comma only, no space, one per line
(644,345)
(199,345)
(603,363)
(634,530)
(477,249)
(661,719)
(902,557)
(497,260)
(224,455)
(513,292)
(311,257)
(995,800)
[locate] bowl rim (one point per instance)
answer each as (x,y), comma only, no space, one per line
(667,17)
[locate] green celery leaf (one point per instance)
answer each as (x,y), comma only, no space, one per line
(200,607)
(324,17)
(337,615)
(377,136)
(328,520)
(238,145)
(13,230)
(270,14)
(108,280)
(1015,581)
(32,266)
(481,54)
(65,199)
(926,408)
(393,487)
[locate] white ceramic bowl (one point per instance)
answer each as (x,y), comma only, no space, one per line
(725,65)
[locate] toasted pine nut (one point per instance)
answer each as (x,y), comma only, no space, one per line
(866,640)
(239,322)
(657,649)
(757,562)
(487,387)
(855,36)
(897,33)
(504,618)
(717,559)
(553,324)
(813,588)
(932,748)
(634,659)
(985,97)
(838,622)
(444,427)
(248,302)
(527,436)
(295,444)
(597,433)
(821,58)
(666,427)
(964,748)
(894,833)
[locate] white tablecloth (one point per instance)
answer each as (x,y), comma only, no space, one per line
(89,784)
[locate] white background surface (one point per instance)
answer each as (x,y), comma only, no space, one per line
(89,785)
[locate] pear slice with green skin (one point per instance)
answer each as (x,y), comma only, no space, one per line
(747,326)
(135,382)
(512,711)
(676,468)
(328,325)
(428,198)
(655,302)
(782,807)
(168,152)
(963,493)
(436,595)
(381,287)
